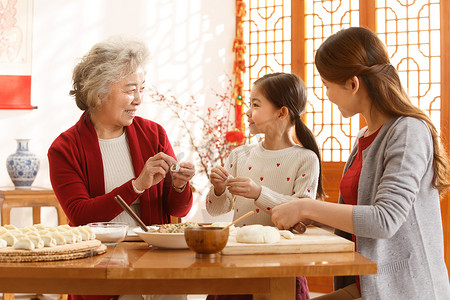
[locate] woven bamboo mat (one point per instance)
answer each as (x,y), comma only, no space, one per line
(63,252)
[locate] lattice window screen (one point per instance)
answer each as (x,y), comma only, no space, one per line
(335,135)
(411,31)
(267,32)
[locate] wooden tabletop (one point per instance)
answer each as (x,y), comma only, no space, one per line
(136,268)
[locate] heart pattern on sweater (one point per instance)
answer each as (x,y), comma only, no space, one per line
(289,178)
(249,168)
(257,210)
(261,178)
(278,164)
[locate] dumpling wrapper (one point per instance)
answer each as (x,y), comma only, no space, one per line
(3,243)
(3,230)
(257,234)
(9,238)
(33,233)
(24,244)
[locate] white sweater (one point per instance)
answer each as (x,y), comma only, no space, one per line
(283,174)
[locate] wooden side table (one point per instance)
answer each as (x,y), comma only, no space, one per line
(35,198)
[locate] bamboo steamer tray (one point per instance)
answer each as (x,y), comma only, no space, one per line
(64,252)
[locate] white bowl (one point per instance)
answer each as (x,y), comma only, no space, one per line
(109,232)
(163,240)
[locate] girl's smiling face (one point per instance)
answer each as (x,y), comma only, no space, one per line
(262,114)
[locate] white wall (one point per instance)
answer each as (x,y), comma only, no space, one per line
(191,46)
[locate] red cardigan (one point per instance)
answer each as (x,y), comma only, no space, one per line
(76,174)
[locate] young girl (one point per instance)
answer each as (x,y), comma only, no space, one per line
(389,193)
(275,170)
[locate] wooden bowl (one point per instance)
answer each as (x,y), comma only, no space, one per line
(206,241)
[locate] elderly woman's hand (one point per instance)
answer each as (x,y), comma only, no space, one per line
(181,177)
(155,170)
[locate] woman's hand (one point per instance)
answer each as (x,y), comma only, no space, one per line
(181,177)
(155,170)
(218,179)
(287,214)
(244,186)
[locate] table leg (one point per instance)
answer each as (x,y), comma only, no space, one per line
(282,288)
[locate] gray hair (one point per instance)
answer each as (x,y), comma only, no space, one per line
(107,62)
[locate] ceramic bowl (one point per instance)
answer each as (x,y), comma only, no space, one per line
(109,232)
(174,240)
(206,241)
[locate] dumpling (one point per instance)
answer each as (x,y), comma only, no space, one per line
(48,240)
(15,232)
(257,234)
(25,229)
(34,233)
(69,236)
(24,243)
(9,238)
(77,233)
(39,227)
(3,243)
(37,241)
(3,229)
(10,227)
(59,239)
(64,227)
(89,230)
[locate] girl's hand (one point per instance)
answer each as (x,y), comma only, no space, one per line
(218,179)
(245,187)
(287,214)
(182,176)
(155,170)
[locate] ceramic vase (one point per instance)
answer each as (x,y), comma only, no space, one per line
(22,166)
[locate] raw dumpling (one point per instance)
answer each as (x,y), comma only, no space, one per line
(69,236)
(3,243)
(85,235)
(89,230)
(257,234)
(65,227)
(10,227)
(15,232)
(39,227)
(37,241)
(48,240)
(33,233)
(24,243)
(59,239)
(3,230)
(9,238)
(77,234)
(25,229)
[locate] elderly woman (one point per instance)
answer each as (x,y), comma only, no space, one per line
(110,151)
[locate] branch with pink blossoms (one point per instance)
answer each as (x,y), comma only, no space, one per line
(216,123)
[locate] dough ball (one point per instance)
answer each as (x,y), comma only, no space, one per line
(257,234)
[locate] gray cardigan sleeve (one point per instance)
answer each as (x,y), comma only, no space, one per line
(393,168)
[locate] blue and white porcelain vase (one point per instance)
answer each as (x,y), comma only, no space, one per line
(22,166)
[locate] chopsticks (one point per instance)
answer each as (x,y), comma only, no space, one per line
(132,214)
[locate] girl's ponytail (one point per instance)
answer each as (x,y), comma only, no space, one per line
(308,140)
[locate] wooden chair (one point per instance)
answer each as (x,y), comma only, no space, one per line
(35,198)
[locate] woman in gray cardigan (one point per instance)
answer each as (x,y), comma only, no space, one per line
(389,195)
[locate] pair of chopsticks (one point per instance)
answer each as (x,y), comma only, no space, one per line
(132,214)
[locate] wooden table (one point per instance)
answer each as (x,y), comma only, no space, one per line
(135,268)
(34,197)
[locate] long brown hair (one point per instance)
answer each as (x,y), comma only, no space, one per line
(284,89)
(357,51)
